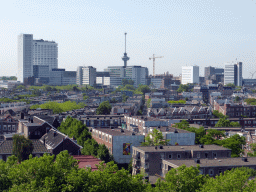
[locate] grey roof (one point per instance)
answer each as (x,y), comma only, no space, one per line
(115,132)
(182,148)
(6,147)
(53,138)
(226,162)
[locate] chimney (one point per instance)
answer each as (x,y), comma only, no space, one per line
(54,134)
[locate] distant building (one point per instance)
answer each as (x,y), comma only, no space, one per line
(35,52)
(25,56)
(209,71)
(233,74)
(190,74)
(102,78)
(136,73)
(86,75)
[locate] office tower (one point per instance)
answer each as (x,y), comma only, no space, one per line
(79,75)
(102,78)
(45,53)
(25,56)
(190,74)
(209,71)
(233,73)
(35,52)
(86,75)
(138,74)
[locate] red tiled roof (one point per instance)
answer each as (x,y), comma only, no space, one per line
(87,160)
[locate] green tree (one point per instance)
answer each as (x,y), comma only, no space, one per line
(235,143)
(90,147)
(217,114)
(182,125)
(148,103)
(143,88)
(183,88)
(127,82)
(230,85)
(155,138)
(104,108)
(22,147)
(234,180)
(103,153)
(124,98)
(237,99)
(182,179)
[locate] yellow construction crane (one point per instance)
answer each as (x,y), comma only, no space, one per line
(154,58)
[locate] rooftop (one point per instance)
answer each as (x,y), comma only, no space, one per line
(215,162)
(87,161)
(115,132)
(182,148)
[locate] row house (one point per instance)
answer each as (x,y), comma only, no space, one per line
(186,112)
(140,121)
(102,121)
(8,125)
(236,110)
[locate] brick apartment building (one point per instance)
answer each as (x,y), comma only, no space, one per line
(212,167)
(236,110)
(150,159)
(119,142)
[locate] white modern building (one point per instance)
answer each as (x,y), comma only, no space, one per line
(25,56)
(190,74)
(233,73)
(136,73)
(45,53)
(86,75)
(35,52)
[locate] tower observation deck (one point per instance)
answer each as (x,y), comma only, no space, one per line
(125,58)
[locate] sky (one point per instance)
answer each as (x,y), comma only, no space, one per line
(91,33)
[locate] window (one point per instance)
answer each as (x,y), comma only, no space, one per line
(162,156)
(109,139)
(99,135)
(206,155)
(106,139)
(102,137)
(0,127)
(5,127)
(165,167)
(146,156)
(13,127)
(161,166)
(178,156)
(214,155)
(220,171)
(146,166)
(198,155)
(201,171)
(211,172)
(170,156)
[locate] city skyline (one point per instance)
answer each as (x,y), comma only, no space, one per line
(205,33)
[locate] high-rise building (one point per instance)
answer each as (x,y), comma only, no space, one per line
(190,74)
(209,71)
(86,75)
(233,74)
(35,52)
(136,73)
(25,56)
(45,53)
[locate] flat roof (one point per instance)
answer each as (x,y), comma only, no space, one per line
(182,148)
(116,131)
(226,162)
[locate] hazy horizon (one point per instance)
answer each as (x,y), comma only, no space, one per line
(91,33)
